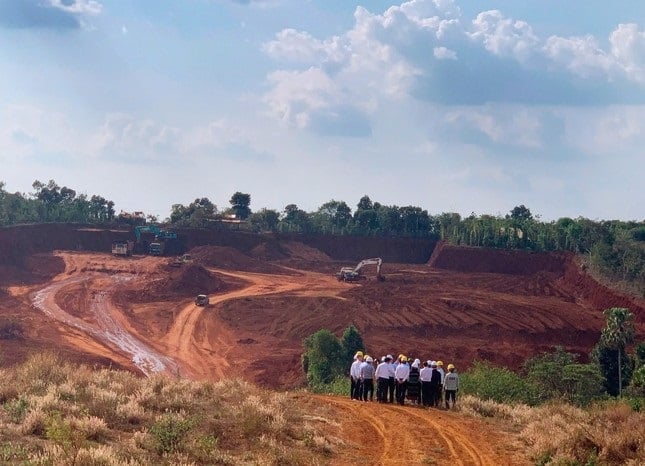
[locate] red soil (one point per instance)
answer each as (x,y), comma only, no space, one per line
(466,304)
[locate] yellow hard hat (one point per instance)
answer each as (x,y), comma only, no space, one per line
(439,363)
(359,353)
(451,366)
(404,359)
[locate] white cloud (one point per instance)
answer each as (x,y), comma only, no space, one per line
(25,131)
(580,55)
(504,37)
(86,7)
(628,48)
(296,94)
(515,126)
(443,53)
(290,44)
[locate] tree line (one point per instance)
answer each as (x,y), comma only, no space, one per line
(613,248)
(52,203)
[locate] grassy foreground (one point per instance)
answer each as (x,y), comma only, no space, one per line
(56,413)
(556,433)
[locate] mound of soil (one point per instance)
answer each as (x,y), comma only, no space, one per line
(487,260)
(268,251)
(187,281)
(231,259)
(297,250)
(30,270)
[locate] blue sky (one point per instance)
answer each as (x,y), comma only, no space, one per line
(458,106)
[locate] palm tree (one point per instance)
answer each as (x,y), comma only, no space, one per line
(617,334)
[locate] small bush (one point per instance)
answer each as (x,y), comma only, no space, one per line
(16,410)
(338,386)
(489,382)
(168,433)
(11,331)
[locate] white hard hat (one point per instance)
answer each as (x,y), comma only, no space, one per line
(369,359)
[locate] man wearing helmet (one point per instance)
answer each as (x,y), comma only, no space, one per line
(451,385)
(356,390)
(367,379)
(401,376)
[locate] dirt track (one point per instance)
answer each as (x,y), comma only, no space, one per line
(395,435)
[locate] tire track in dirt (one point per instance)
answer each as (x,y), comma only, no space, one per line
(197,356)
(409,435)
(106,328)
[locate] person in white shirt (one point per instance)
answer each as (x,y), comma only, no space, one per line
(391,384)
(425,376)
(355,376)
(401,376)
(382,378)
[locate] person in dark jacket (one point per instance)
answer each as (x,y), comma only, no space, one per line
(414,387)
(435,385)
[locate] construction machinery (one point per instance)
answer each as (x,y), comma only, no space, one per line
(122,248)
(179,261)
(354,274)
(201,300)
(155,230)
(158,246)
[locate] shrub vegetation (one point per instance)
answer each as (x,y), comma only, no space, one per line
(52,412)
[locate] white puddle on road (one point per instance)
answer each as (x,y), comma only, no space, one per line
(107,329)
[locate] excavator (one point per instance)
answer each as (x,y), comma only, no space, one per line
(158,247)
(354,274)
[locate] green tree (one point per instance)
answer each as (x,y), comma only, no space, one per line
(545,371)
(240,203)
(521,213)
(351,342)
(196,214)
(295,219)
(265,220)
(323,357)
(614,338)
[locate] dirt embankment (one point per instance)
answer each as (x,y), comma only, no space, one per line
(228,258)
(599,296)
(560,269)
(485,260)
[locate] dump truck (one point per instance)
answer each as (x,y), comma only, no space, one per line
(157,248)
(122,248)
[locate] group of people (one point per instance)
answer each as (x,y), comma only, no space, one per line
(425,384)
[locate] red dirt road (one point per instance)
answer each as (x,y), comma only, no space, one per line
(404,435)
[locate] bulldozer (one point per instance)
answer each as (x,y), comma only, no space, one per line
(354,274)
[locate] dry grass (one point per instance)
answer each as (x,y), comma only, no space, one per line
(54,413)
(606,433)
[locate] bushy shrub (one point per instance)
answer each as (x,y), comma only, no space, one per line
(557,375)
(168,432)
(498,384)
(339,386)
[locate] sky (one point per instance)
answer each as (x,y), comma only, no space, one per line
(451,105)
